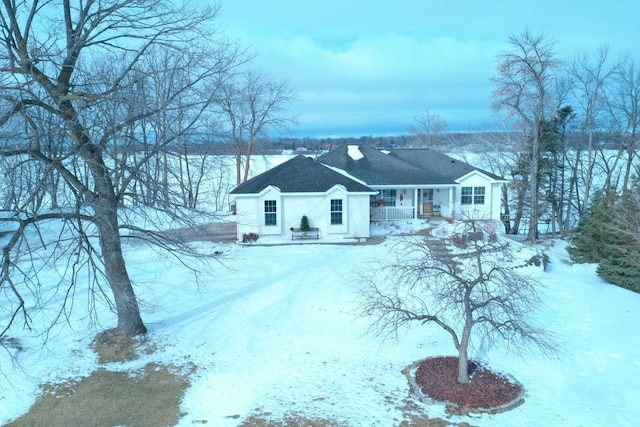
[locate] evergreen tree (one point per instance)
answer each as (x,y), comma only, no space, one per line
(620,263)
(304,224)
(588,237)
(553,181)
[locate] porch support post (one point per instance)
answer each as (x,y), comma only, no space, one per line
(452,203)
(416,210)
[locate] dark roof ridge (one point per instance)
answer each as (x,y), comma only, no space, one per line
(447,165)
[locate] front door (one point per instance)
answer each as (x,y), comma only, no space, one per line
(426,198)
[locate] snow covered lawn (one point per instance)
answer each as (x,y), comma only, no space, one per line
(276,330)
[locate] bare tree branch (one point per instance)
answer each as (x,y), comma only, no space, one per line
(480,288)
(97,96)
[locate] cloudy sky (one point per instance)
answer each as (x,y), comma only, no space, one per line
(367,67)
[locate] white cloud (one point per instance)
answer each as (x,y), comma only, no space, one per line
(399,58)
(390,76)
(385,58)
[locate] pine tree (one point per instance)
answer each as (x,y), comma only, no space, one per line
(304,224)
(587,238)
(620,263)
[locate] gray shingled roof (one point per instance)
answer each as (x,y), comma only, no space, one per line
(432,160)
(300,175)
(378,168)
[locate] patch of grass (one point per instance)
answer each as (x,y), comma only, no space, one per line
(149,397)
(112,347)
(291,419)
(414,416)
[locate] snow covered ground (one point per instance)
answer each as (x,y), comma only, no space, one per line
(276,330)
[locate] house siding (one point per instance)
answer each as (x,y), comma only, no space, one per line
(250,214)
(247,216)
(291,208)
(358,216)
(313,206)
(490,209)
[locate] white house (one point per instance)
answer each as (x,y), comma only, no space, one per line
(273,202)
(343,191)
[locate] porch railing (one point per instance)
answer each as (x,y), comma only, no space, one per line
(389,213)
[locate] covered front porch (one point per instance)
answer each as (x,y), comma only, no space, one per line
(411,202)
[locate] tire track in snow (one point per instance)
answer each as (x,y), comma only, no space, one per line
(271,306)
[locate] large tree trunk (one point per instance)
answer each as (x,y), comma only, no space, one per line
(521,194)
(104,201)
(588,175)
(534,185)
(105,205)
(631,154)
(506,215)
(238,163)
(129,320)
(247,165)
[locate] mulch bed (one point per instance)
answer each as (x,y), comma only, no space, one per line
(486,392)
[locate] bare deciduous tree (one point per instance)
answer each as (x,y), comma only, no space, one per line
(428,130)
(476,290)
(91,65)
(524,90)
(253,104)
(590,76)
(625,116)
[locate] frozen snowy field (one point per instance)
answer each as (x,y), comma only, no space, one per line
(276,331)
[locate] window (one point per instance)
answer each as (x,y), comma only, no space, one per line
(466,197)
(472,196)
(336,211)
(270,212)
(389,197)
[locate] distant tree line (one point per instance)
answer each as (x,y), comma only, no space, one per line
(447,142)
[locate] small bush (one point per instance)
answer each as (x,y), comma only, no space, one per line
(11,342)
(249,237)
(540,259)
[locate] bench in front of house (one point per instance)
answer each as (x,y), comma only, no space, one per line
(312,233)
